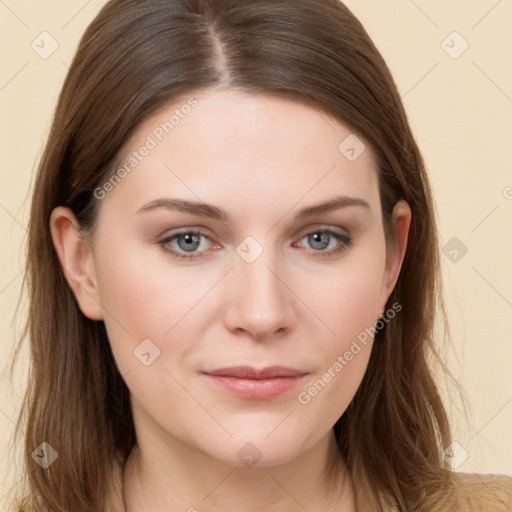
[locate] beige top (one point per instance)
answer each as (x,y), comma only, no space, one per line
(485,493)
(482,492)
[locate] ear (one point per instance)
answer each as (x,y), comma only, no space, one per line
(77,262)
(401,221)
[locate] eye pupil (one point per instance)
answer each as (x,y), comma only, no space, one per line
(319,240)
(192,241)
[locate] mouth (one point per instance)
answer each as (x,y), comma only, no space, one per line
(252,383)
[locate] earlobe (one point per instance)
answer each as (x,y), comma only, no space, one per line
(401,220)
(76,260)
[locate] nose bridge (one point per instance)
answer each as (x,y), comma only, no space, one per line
(261,285)
(260,304)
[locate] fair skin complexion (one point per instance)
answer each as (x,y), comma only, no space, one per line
(260,159)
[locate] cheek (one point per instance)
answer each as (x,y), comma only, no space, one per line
(344,356)
(347,299)
(146,298)
(347,303)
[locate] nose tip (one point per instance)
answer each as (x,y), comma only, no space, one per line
(257,301)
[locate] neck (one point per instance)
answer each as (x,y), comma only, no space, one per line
(156,480)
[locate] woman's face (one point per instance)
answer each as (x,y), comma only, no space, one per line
(248,234)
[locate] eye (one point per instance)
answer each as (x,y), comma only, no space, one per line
(323,239)
(185,244)
(191,241)
(189,244)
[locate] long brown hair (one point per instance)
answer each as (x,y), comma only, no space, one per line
(137,55)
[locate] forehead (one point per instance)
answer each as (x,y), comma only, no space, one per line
(216,143)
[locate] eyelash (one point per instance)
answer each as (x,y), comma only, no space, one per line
(345,240)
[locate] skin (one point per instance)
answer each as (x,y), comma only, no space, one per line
(261,159)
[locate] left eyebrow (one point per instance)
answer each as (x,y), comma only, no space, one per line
(333,204)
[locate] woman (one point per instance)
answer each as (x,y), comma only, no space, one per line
(233,274)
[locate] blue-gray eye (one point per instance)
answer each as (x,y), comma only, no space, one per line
(190,243)
(319,240)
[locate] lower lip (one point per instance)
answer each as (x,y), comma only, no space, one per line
(258,389)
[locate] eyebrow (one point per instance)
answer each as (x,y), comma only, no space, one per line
(207,210)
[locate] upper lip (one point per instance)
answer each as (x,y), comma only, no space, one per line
(248,372)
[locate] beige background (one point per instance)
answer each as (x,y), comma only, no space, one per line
(461,113)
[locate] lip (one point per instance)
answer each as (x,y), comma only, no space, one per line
(258,384)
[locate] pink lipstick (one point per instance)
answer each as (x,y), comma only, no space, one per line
(249,382)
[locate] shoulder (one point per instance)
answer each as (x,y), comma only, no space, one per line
(474,492)
(483,492)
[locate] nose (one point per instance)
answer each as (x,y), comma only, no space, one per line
(259,302)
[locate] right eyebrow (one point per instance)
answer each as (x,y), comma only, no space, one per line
(182,205)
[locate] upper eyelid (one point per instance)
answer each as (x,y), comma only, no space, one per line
(184,231)
(337,230)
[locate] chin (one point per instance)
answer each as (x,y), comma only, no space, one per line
(257,450)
